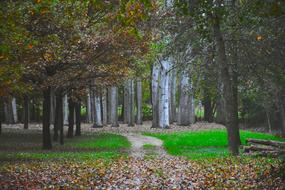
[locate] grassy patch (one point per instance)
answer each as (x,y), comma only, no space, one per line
(27,145)
(148,146)
(203,144)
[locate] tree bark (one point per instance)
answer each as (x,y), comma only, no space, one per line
(173,97)
(126,106)
(65,110)
(89,115)
(164,94)
(70,118)
(113,91)
(26,111)
(139,101)
(46,119)
(78,118)
(58,120)
(98,116)
(8,112)
(104,107)
(282,114)
(14,110)
(231,114)
(186,115)
(52,107)
(131,105)
(154,95)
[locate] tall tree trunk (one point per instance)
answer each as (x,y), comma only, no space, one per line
(208,110)
(282,115)
(8,112)
(131,117)
(98,116)
(70,118)
(89,115)
(46,119)
(26,111)
(186,102)
(113,101)
(139,101)
(173,97)
(92,103)
(164,95)
(78,118)
(14,110)
(52,107)
(231,114)
(154,95)
(58,120)
(1,114)
(104,107)
(126,106)
(65,110)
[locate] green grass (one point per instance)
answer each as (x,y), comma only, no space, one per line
(203,144)
(27,145)
(148,146)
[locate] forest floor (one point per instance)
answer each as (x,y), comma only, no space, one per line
(124,158)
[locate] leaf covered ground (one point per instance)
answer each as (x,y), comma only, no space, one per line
(147,173)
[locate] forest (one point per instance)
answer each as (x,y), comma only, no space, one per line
(142,94)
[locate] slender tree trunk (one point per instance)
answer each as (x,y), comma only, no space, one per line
(139,101)
(26,112)
(113,91)
(173,97)
(14,110)
(131,105)
(78,118)
(231,114)
(98,116)
(208,110)
(1,114)
(104,107)
(65,110)
(164,95)
(46,119)
(126,106)
(268,120)
(89,115)
(70,118)
(154,95)
(52,107)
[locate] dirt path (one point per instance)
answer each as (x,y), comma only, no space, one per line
(153,145)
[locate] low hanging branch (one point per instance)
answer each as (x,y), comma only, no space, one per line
(264,147)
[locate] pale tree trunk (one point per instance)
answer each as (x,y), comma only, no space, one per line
(65,110)
(88,107)
(164,94)
(113,103)
(220,118)
(98,113)
(228,91)
(154,95)
(14,110)
(104,106)
(186,108)
(139,101)
(172,93)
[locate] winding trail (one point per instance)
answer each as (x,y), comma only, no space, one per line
(138,141)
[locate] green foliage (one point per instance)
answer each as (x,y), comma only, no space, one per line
(147,111)
(203,144)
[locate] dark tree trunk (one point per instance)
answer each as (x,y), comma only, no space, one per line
(46,120)
(228,91)
(78,118)
(208,110)
(1,115)
(58,123)
(70,118)
(26,112)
